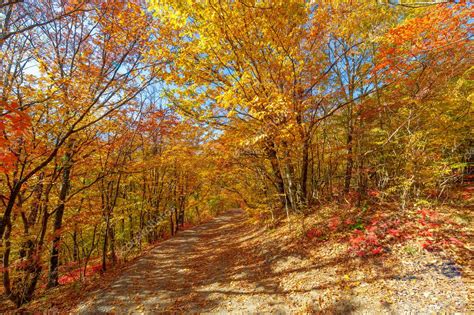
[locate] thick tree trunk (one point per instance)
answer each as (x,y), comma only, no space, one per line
(8,210)
(278,177)
(23,292)
(53,278)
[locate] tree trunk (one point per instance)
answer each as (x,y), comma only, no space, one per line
(36,201)
(53,278)
(75,251)
(105,246)
(350,158)
(304,171)
(278,178)
(8,210)
(113,255)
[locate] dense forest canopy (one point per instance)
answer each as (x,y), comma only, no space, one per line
(123,121)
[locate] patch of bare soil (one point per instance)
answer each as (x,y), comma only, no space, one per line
(229,265)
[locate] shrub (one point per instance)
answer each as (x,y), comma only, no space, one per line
(375,237)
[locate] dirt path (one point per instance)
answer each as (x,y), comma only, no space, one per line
(228,265)
(206,268)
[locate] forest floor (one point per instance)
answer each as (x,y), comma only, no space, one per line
(228,265)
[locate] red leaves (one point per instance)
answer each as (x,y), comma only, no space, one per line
(187,226)
(431,229)
(429,245)
(373,193)
(466,195)
(433,40)
(314,233)
(455,241)
(14,122)
(376,251)
(334,223)
(349,221)
(376,234)
(356,241)
(158,121)
(394,232)
(427,214)
(381,231)
(425,233)
(76,273)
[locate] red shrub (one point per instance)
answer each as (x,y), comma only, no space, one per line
(380,232)
(383,231)
(314,233)
(76,274)
(334,223)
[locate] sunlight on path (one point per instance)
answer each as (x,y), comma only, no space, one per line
(198,270)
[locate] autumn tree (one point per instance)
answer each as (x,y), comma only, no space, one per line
(87,67)
(283,78)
